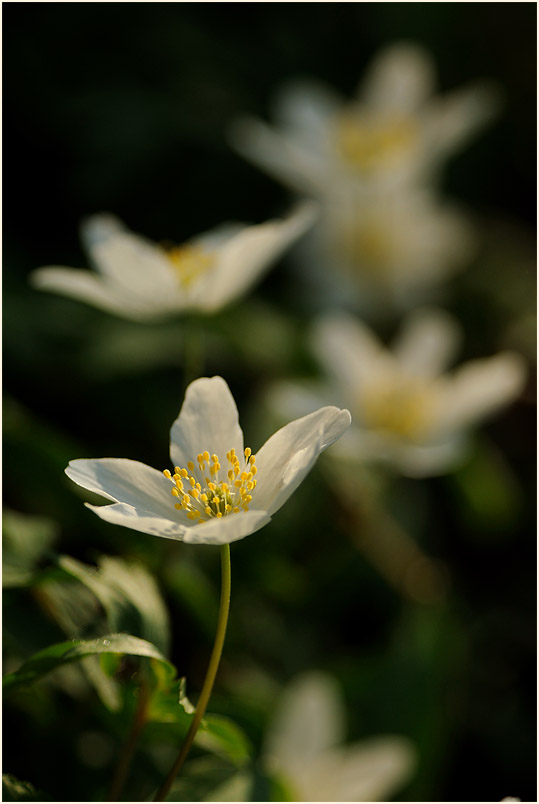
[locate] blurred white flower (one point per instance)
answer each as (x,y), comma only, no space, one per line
(405,411)
(304,747)
(219,492)
(141,280)
(391,250)
(394,131)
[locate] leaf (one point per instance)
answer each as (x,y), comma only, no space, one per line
(57,655)
(25,539)
(15,790)
(222,736)
(129,595)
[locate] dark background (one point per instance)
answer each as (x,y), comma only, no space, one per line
(124,107)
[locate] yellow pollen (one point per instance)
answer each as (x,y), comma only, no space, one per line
(189,262)
(216,498)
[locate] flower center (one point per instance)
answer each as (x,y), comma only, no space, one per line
(189,262)
(204,494)
(368,143)
(401,407)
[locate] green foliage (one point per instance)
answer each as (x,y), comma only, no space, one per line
(25,541)
(74,650)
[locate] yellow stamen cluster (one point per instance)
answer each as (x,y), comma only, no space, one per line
(202,490)
(401,407)
(367,143)
(189,262)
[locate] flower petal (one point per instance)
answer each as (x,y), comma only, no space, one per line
(479,388)
(227,529)
(400,79)
(244,257)
(122,480)
(451,120)
(208,420)
(290,453)
(369,770)
(349,351)
(309,721)
(426,343)
(130,261)
(129,517)
(279,155)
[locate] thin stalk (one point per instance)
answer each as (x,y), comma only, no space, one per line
(210,674)
(193,350)
(128,750)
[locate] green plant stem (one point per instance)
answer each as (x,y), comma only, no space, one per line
(193,350)
(210,674)
(128,750)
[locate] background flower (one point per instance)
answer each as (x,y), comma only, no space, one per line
(405,411)
(304,745)
(141,280)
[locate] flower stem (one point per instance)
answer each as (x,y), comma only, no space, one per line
(210,674)
(126,756)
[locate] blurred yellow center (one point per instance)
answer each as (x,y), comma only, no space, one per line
(190,262)
(214,497)
(369,143)
(400,406)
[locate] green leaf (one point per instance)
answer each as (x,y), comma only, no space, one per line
(25,539)
(57,655)
(222,736)
(129,595)
(15,790)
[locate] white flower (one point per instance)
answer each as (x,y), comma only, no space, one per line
(405,412)
(218,492)
(389,249)
(142,280)
(394,131)
(304,747)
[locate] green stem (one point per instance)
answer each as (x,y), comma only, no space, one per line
(210,674)
(126,756)
(193,350)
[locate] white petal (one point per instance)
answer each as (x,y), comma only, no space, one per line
(450,121)
(309,721)
(125,481)
(400,78)
(306,111)
(349,351)
(366,771)
(129,261)
(208,420)
(244,257)
(229,528)
(427,343)
(286,160)
(290,453)
(136,519)
(362,446)
(92,289)
(479,388)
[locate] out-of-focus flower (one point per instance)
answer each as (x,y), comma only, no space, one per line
(394,131)
(391,250)
(142,280)
(304,747)
(218,492)
(405,411)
